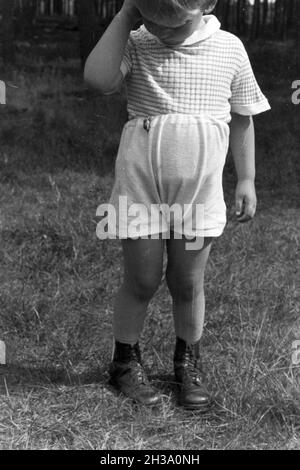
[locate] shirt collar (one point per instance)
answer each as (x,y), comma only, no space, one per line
(208,26)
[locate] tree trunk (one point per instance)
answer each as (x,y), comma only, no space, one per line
(277,16)
(27,17)
(238,17)
(87,22)
(226,12)
(297,31)
(8,51)
(265,15)
(291,13)
(282,19)
(241,11)
(255,27)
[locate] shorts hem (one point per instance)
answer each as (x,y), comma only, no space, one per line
(216,232)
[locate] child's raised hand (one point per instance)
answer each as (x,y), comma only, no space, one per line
(245,200)
(130,9)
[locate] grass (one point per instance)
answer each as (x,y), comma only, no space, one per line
(58,281)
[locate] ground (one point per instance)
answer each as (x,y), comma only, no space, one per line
(58,281)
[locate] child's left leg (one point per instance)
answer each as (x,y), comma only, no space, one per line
(185,279)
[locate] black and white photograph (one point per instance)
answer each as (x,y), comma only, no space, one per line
(149,227)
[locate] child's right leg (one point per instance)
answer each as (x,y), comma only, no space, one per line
(143,268)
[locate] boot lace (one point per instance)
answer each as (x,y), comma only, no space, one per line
(193,368)
(139,374)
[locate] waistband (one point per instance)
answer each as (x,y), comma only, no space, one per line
(178,119)
(175,118)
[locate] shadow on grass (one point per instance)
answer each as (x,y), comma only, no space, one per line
(14,376)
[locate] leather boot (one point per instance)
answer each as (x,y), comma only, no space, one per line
(190,377)
(128,375)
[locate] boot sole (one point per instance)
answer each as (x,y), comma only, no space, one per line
(202,408)
(117,387)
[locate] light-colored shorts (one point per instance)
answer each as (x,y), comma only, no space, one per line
(168,176)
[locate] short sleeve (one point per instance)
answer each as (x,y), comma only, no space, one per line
(126,63)
(246,95)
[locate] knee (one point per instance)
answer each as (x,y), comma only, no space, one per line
(144,286)
(184,288)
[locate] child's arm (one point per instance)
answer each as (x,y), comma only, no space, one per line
(102,68)
(242,143)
